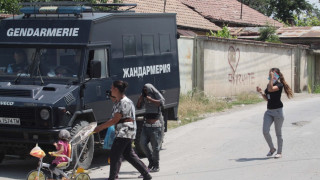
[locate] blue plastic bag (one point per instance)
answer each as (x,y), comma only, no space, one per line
(108,140)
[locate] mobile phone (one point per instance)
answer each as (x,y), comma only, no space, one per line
(276,75)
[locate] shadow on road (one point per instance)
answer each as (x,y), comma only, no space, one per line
(16,168)
(252,159)
(133,173)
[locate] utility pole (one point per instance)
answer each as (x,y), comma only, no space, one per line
(164,6)
(241,9)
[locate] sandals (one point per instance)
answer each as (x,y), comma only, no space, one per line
(270,153)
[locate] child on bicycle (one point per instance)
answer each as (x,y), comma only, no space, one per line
(62,149)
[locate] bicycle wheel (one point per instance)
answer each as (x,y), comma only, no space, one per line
(83,176)
(33,175)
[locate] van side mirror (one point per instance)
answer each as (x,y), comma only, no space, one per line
(95,69)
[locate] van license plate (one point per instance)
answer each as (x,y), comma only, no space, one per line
(10,121)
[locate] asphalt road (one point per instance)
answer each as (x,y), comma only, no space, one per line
(226,146)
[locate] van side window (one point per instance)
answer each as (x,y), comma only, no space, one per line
(129,45)
(165,43)
(102,55)
(147,45)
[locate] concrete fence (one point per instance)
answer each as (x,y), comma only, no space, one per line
(226,67)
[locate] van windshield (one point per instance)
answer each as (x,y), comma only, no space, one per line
(44,62)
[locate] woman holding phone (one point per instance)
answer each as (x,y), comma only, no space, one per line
(274,112)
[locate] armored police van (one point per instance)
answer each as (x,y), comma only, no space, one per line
(58,60)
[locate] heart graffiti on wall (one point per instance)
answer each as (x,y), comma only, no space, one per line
(233,58)
(238,79)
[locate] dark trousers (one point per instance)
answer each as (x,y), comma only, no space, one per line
(121,147)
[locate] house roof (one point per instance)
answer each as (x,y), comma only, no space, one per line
(186,17)
(299,32)
(229,11)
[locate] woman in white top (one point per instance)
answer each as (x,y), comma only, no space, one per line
(124,118)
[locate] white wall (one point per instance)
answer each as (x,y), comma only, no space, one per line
(224,67)
(232,68)
(185,48)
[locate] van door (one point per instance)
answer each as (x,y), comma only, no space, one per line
(95,89)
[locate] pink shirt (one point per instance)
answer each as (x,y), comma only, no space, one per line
(65,146)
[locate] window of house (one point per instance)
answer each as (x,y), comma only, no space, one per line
(165,43)
(147,45)
(129,45)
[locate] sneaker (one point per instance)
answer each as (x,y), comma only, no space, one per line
(270,153)
(277,156)
(155,169)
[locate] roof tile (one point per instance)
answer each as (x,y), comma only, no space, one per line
(186,17)
(229,11)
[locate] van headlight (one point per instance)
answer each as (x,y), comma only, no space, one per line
(44,114)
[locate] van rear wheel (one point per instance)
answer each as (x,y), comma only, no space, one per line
(87,155)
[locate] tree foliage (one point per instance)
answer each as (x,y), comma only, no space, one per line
(285,9)
(223,33)
(268,34)
(259,5)
(9,6)
(306,20)
(281,9)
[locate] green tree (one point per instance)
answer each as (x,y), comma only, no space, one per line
(223,33)
(259,5)
(281,9)
(9,6)
(268,34)
(285,9)
(306,20)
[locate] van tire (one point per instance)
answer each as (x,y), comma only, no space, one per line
(87,155)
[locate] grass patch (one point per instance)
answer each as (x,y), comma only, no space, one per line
(194,105)
(247,98)
(317,89)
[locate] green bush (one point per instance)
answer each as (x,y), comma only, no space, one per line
(316,89)
(268,34)
(224,33)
